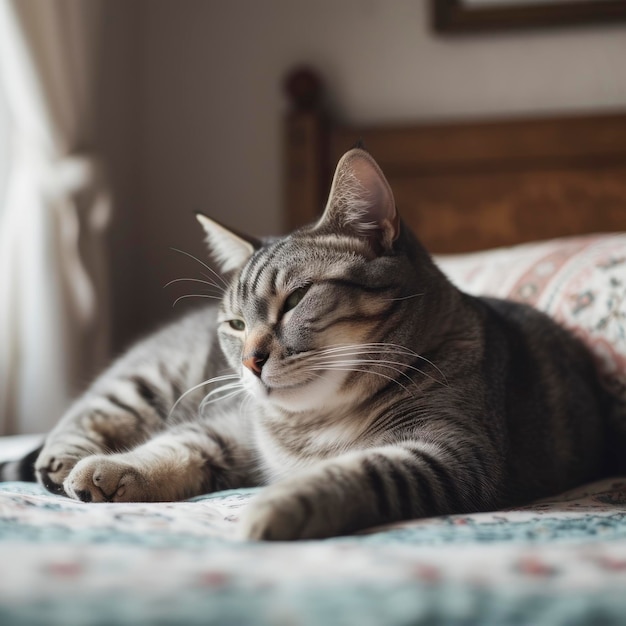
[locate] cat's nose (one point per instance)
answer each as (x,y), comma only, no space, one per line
(255,362)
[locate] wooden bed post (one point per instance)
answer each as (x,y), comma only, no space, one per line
(304,148)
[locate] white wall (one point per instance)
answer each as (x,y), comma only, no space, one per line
(209,101)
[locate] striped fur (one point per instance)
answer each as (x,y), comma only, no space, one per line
(353,380)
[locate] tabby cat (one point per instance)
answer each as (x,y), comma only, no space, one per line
(354,380)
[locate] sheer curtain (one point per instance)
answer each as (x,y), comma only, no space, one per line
(4,146)
(53,299)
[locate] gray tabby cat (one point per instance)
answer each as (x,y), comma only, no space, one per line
(356,382)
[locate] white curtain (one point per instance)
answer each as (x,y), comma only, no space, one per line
(4,145)
(53,299)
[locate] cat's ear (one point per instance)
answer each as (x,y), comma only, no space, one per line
(229,249)
(361,201)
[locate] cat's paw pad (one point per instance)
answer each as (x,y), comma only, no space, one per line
(105,479)
(278,516)
(53,466)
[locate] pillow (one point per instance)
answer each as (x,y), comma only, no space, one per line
(579,281)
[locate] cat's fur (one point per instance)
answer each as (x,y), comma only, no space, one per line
(372,390)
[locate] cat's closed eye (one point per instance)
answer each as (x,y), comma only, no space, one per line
(294,298)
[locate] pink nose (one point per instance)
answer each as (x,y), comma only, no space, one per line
(255,363)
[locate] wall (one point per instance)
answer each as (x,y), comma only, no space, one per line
(207,105)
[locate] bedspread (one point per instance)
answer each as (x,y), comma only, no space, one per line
(558,561)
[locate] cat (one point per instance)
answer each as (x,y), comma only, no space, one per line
(356,383)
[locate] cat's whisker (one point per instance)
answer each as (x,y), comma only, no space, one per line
(222,389)
(216,379)
(445,379)
(369,347)
(352,369)
(379,347)
(191,256)
(359,352)
(195,280)
(390,364)
(232,394)
(365,362)
(210,279)
(237,383)
(354,352)
(195,295)
(413,295)
(399,363)
(227,388)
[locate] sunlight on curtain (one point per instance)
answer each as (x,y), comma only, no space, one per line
(53,286)
(5,136)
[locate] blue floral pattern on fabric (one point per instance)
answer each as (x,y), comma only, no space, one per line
(558,561)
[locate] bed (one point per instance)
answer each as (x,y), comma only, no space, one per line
(550,196)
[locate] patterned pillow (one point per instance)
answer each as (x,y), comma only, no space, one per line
(580,281)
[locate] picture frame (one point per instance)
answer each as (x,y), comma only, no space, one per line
(464,16)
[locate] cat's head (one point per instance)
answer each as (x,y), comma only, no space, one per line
(316,318)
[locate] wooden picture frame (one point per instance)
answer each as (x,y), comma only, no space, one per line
(458,17)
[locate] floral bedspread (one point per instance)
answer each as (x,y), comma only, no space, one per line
(559,561)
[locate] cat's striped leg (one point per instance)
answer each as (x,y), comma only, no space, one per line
(368,488)
(120,414)
(132,400)
(186,461)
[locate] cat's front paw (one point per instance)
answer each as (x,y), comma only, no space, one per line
(102,478)
(53,466)
(281,513)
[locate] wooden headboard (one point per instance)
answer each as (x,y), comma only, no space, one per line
(467,185)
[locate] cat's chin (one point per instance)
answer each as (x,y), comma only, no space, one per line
(309,395)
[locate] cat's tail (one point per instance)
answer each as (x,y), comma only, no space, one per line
(21,469)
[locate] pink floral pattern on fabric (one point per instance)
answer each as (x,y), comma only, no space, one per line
(579,281)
